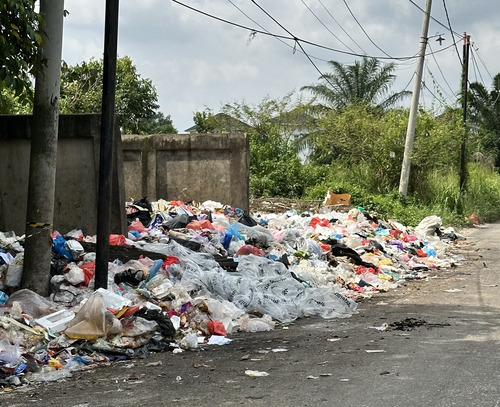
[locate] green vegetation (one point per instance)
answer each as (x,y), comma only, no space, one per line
(357,147)
(136,97)
(20,42)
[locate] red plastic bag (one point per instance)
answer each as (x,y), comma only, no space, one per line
(421,253)
(137,225)
(169,260)
(363,270)
(318,221)
(249,249)
(118,240)
(88,272)
(216,328)
(199,225)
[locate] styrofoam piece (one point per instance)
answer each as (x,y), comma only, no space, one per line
(151,306)
(56,321)
(113,300)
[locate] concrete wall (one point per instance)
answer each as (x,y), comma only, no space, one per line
(76,178)
(187,167)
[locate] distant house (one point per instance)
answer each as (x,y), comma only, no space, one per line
(222,123)
(298,127)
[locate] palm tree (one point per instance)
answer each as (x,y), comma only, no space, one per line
(366,82)
(485,106)
(485,111)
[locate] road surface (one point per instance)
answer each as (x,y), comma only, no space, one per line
(440,348)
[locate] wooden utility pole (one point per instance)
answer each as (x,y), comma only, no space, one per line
(107,142)
(410,132)
(465,80)
(43,154)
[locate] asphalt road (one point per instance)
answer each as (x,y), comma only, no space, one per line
(445,355)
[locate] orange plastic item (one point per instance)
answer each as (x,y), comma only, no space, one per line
(199,225)
(88,272)
(118,240)
(318,221)
(216,328)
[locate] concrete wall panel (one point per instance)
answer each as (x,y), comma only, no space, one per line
(187,167)
(76,177)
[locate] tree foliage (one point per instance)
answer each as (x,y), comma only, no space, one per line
(275,168)
(370,146)
(205,121)
(485,113)
(366,82)
(20,42)
(136,97)
(12,104)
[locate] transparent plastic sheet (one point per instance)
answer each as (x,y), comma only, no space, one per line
(249,324)
(257,234)
(261,285)
(326,303)
(32,303)
(90,322)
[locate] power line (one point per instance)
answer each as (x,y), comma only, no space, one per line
(451,30)
(475,65)
(438,87)
(342,28)
(440,70)
(323,24)
(433,95)
(268,32)
(481,60)
(432,18)
(360,26)
(298,40)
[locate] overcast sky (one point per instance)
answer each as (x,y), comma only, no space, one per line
(197,62)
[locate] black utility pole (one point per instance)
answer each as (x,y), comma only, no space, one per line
(465,76)
(107,142)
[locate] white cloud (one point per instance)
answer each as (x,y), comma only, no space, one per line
(195,61)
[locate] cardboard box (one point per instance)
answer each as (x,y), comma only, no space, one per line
(336,199)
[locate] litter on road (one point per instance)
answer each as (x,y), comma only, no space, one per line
(187,276)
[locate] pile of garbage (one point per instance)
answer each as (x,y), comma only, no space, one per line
(190,275)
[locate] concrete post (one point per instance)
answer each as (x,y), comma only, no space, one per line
(43,154)
(410,133)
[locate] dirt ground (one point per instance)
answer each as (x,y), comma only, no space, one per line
(431,342)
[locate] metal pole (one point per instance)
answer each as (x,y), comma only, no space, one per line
(43,154)
(107,141)
(465,76)
(410,132)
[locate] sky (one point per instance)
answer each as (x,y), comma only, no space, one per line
(197,62)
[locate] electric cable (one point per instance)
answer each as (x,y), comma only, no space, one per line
(298,40)
(362,29)
(440,70)
(451,29)
(324,25)
(267,31)
(481,60)
(342,28)
(432,18)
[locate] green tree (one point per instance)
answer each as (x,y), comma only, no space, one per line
(20,42)
(370,146)
(136,97)
(485,113)
(366,82)
(158,124)
(275,168)
(205,121)
(12,104)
